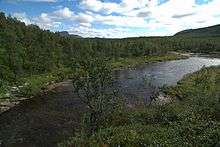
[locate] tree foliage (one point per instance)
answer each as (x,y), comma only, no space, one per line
(92,83)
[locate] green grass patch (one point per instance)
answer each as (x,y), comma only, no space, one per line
(4,90)
(123,63)
(31,85)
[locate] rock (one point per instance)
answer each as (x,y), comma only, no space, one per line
(7,104)
(161,99)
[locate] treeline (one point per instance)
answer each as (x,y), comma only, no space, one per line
(28,50)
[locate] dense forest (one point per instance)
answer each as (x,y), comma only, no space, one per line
(29,50)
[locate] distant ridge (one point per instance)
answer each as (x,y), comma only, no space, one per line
(66,34)
(212,31)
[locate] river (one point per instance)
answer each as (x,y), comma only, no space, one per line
(139,84)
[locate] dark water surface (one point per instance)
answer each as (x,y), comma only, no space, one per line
(47,119)
(143,81)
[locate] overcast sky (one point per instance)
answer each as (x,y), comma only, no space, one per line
(115,18)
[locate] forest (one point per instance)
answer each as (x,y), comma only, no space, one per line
(29,50)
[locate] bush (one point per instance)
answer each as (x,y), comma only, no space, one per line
(194,120)
(184,133)
(33,84)
(4,89)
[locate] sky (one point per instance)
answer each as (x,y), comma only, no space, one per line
(115,18)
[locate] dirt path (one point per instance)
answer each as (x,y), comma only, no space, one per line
(42,121)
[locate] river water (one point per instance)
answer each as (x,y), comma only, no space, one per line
(139,84)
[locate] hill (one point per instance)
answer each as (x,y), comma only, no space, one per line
(66,34)
(212,31)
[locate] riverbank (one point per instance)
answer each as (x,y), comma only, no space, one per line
(30,86)
(123,63)
(192,119)
(43,120)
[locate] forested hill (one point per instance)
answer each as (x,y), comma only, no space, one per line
(66,34)
(212,31)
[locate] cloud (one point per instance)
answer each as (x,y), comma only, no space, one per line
(94,5)
(56,17)
(96,18)
(64,13)
(83,18)
(22,17)
(38,0)
(143,14)
(45,21)
(122,21)
(49,1)
(102,33)
(183,15)
(110,7)
(115,32)
(200,21)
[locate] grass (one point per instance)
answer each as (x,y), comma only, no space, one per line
(123,63)
(32,85)
(192,120)
(4,90)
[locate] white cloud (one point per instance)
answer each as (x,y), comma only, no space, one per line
(102,33)
(22,17)
(83,18)
(44,17)
(94,5)
(191,13)
(164,19)
(143,14)
(54,19)
(33,1)
(110,7)
(63,13)
(116,32)
(122,21)
(45,21)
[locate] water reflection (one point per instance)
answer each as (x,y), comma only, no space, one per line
(143,81)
